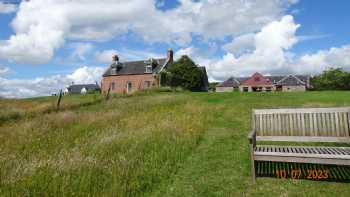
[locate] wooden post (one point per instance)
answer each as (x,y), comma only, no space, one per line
(108,92)
(140,88)
(59,99)
(252,144)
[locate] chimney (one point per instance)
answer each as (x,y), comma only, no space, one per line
(170,56)
(115,59)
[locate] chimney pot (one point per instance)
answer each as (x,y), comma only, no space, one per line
(115,58)
(170,56)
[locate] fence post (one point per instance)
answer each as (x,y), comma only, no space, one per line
(108,92)
(59,100)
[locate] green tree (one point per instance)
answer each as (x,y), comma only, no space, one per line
(332,79)
(186,74)
(212,86)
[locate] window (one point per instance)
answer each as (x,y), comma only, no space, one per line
(245,89)
(113,85)
(147,84)
(257,79)
(148,69)
(268,89)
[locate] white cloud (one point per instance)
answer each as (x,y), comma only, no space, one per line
(241,44)
(126,55)
(41,27)
(272,55)
(6,8)
(80,50)
(4,70)
(194,53)
(105,56)
(38,33)
(189,51)
(86,74)
(315,63)
(44,86)
(269,56)
(129,54)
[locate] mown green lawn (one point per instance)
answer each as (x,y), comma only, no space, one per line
(149,144)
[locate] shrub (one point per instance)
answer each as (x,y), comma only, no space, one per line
(332,79)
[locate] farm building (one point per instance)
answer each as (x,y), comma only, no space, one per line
(259,83)
(229,85)
(81,88)
(128,77)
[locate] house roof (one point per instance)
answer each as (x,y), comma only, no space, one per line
(76,89)
(134,67)
(286,80)
(291,80)
(257,79)
(230,82)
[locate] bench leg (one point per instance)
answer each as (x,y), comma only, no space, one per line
(252,163)
(253,171)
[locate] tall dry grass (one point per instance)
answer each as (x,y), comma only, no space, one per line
(122,147)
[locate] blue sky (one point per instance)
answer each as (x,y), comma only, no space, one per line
(44,45)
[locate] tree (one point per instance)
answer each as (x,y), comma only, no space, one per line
(332,79)
(186,74)
(212,86)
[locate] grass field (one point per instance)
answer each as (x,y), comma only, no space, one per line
(149,144)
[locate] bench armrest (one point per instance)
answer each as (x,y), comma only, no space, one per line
(252,137)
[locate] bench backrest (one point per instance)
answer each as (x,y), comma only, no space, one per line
(304,124)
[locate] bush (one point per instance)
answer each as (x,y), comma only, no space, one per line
(332,79)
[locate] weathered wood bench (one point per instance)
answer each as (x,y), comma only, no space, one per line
(300,125)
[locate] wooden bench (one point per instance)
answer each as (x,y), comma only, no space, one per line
(300,125)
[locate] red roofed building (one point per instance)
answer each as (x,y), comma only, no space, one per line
(257,83)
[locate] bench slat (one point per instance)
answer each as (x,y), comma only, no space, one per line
(337,124)
(301,110)
(305,151)
(303,139)
(349,123)
(303,154)
(346,124)
(320,123)
(296,159)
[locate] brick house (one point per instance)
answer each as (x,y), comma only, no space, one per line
(127,77)
(259,83)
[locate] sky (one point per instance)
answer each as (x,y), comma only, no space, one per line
(48,44)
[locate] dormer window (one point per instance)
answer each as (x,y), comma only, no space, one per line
(148,68)
(257,79)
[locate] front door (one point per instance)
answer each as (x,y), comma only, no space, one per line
(129,87)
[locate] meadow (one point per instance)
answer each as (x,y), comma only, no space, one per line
(147,144)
